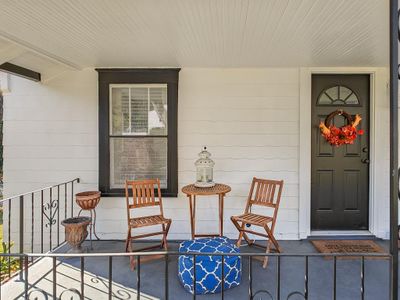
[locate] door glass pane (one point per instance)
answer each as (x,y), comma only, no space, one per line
(344,92)
(333,93)
(352,99)
(338,95)
(324,99)
(137,158)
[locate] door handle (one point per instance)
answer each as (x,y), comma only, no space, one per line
(365,161)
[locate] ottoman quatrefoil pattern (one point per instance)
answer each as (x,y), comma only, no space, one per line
(208,267)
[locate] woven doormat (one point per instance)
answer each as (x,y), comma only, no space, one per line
(348,246)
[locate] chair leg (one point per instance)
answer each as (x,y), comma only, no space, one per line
(247,239)
(128,241)
(132,263)
(164,241)
(239,240)
(272,238)
(242,234)
(128,248)
(163,236)
(268,249)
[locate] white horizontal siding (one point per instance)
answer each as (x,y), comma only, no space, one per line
(248,118)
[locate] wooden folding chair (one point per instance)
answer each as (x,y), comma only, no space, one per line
(142,195)
(265,193)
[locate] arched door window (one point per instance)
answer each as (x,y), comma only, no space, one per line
(338,95)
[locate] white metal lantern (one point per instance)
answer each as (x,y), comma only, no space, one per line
(204,169)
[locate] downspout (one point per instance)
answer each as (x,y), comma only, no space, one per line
(394,184)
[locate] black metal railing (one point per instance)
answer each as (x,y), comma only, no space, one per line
(58,290)
(31,223)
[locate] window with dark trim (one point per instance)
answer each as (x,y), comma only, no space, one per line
(138,110)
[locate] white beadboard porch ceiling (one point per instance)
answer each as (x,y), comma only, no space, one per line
(194,33)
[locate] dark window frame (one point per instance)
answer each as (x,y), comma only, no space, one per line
(137,76)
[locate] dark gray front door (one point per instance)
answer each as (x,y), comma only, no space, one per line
(340,176)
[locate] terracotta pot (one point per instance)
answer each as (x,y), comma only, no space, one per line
(76,231)
(88,200)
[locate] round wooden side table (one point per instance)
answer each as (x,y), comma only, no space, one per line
(192,191)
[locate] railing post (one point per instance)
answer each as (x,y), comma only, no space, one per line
(58,215)
(138,277)
(278,278)
(83,277)
(110,277)
(394,184)
(9,237)
(250,278)
(72,199)
(166,258)
(54,283)
(194,277)
(334,276)
(362,275)
(306,279)
(21,234)
(32,222)
(41,221)
(26,283)
(50,218)
(222,276)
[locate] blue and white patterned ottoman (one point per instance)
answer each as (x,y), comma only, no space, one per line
(208,268)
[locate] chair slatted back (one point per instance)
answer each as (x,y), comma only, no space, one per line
(265,192)
(141,193)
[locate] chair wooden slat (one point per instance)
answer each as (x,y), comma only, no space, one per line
(143,196)
(257,195)
(265,195)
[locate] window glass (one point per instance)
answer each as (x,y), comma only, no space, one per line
(139,110)
(137,158)
(338,95)
(138,134)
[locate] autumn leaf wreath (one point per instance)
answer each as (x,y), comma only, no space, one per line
(337,136)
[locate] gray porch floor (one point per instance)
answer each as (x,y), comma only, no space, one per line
(153,277)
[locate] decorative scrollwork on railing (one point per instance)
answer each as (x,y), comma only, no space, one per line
(266,295)
(71,293)
(98,280)
(261,294)
(50,211)
(122,294)
(294,294)
(34,295)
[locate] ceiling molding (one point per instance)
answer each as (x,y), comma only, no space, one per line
(39,51)
(46,78)
(10,52)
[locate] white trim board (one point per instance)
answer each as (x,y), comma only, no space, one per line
(4,82)
(340,233)
(379,139)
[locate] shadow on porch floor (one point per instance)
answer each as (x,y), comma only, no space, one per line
(153,277)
